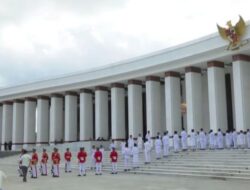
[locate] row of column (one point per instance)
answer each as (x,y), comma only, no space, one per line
(58,120)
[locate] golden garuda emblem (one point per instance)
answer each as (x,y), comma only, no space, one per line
(233,33)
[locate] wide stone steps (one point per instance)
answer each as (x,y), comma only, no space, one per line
(225,164)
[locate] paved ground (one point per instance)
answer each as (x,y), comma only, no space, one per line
(120,182)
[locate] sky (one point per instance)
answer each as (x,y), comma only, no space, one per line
(41,39)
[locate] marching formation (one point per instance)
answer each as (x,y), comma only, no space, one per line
(130,151)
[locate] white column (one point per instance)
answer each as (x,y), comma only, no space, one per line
(7,122)
(18,124)
(1,122)
(117,111)
(135,108)
(101,112)
(153,103)
(42,120)
(29,122)
(56,132)
(241,79)
(70,117)
(86,115)
(217,96)
(173,102)
(193,98)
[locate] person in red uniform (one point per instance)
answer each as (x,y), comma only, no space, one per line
(44,162)
(81,156)
(67,157)
(55,162)
(98,162)
(34,161)
(114,158)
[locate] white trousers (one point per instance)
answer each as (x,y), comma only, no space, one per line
(165,150)
(114,167)
(147,156)
(98,168)
(235,142)
(34,170)
(68,166)
(44,169)
(82,170)
(56,169)
(135,160)
(126,162)
(158,152)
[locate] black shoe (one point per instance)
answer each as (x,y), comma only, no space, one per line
(79,175)
(84,174)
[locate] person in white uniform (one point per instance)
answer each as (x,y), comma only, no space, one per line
(148,137)
(193,140)
(147,151)
(228,139)
(130,142)
(112,145)
(92,153)
(184,139)
(126,155)
(241,140)
(135,154)
(165,142)
(198,142)
(235,136)
(140,142)
(202,139)
(220,139)
(158,147)
(176,142)
(211,140)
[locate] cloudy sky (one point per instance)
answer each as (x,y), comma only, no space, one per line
(42,39)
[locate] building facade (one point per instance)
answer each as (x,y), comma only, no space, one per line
(195,85)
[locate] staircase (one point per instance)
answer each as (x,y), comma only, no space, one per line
(220,164)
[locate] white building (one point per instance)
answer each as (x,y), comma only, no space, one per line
(195,85)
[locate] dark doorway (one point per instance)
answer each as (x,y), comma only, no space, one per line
(126,117)
(229,102)
(109,115)
(144,114)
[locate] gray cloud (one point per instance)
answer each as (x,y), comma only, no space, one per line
(46,38)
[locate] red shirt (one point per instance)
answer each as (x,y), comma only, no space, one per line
(34,158)
(82,156)
(45,157)
(55,157)
(113,156)
(98,156)
(67,156)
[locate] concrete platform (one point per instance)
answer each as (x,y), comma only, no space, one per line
(120,181)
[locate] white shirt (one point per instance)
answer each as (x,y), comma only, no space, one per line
(165,140)
(2,176)
(25,160)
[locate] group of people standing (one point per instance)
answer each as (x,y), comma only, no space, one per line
(199,140)
(131,149)
(27,162)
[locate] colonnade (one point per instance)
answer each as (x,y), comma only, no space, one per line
(86,114)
